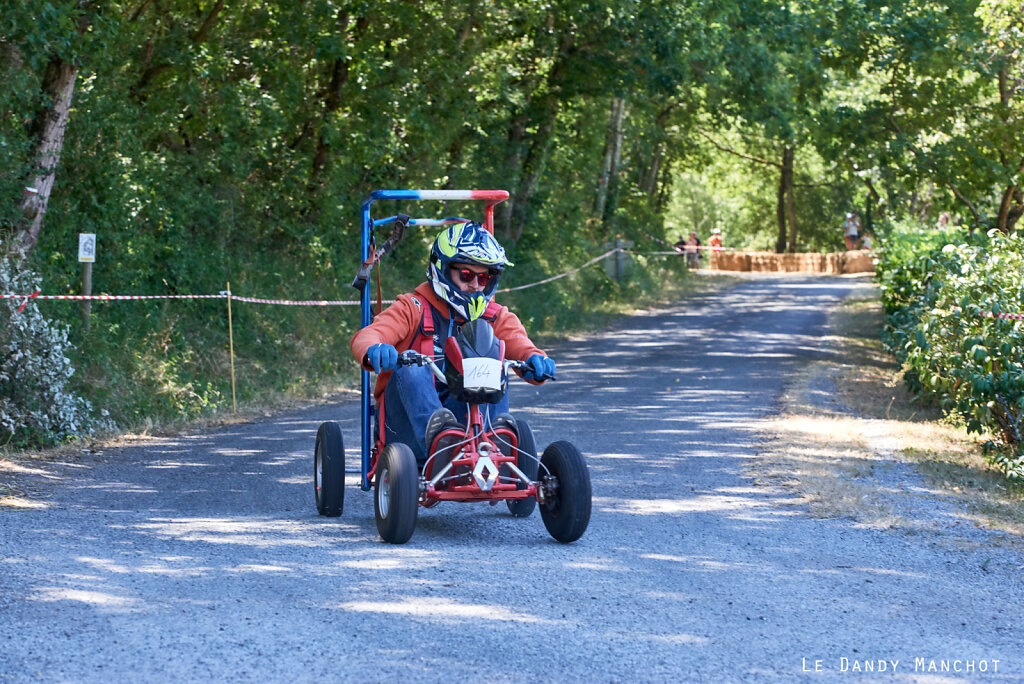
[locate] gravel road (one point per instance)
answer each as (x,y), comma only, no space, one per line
(202,557)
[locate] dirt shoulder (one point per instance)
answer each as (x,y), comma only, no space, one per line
(851,442)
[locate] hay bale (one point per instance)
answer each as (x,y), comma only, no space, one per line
(729,261)
(833,263)
(791,263)
(859,261)
(761,262)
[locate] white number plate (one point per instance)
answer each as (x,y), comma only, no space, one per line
(481,374)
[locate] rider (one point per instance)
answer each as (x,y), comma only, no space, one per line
(465,265)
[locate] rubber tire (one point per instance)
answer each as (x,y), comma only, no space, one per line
(397,479)
(329,470)
(522,508)
(567,513)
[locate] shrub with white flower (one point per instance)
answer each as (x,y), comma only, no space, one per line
(37,406)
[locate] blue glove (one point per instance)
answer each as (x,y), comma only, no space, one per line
(541,368)
(383,357)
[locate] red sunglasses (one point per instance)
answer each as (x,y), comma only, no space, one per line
(467,276)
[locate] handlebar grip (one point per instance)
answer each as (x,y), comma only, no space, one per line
(410,357)
(522,366)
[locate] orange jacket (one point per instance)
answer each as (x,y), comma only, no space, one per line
(397,325)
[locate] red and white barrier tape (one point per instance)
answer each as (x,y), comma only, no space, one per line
(223,295)
(1011,316)
(310,302)
(42,296)
(681,249)
(659,240)
(288,302)
(325,302)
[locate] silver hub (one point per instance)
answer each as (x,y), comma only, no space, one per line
(383,496)
(319,470)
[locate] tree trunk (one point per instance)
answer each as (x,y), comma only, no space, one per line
(1006,204)
(879,204)
(454,159)
(612,155)
(48,129)
(780,213)
(649,180)
(787,177)
(533,166)
(204,31)
(663,186)
(654,175)
(513,161)
(332,96)
(524,170)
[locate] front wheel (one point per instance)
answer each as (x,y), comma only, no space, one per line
(522,508)
(566,506)
(396,495)
(329,470)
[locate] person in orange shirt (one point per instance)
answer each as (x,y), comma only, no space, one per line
(463,271)
(715,242)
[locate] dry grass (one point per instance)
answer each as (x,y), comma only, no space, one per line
(849,432)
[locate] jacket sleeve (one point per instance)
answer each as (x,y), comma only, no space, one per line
(518,345)
(396,326)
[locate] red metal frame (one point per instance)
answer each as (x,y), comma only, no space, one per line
(469,455)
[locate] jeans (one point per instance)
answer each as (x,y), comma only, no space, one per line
(411,398)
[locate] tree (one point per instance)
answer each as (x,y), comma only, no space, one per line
(1004,26)
(61,27)
(767,81)
(918,77)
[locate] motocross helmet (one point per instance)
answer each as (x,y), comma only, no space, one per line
(465,243)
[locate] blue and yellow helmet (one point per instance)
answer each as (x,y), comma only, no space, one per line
(465,243)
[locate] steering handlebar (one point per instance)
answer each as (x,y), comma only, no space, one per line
(411,357)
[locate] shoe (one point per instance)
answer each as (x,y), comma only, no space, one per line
(447,449)
(441,419)
(505,420)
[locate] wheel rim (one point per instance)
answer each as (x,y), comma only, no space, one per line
(383,496)
(319,471)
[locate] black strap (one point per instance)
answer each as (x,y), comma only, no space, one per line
(363,273)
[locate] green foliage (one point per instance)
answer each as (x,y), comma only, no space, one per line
(956,354)
(37,401)
(234,142)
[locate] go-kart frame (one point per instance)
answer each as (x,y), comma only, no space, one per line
(491,198)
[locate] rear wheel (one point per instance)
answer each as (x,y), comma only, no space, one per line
(396,495)
(566,507)
(329,470)
(522,508)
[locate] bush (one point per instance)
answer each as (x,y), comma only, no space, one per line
(910,265)
(37,408)
(955,353)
